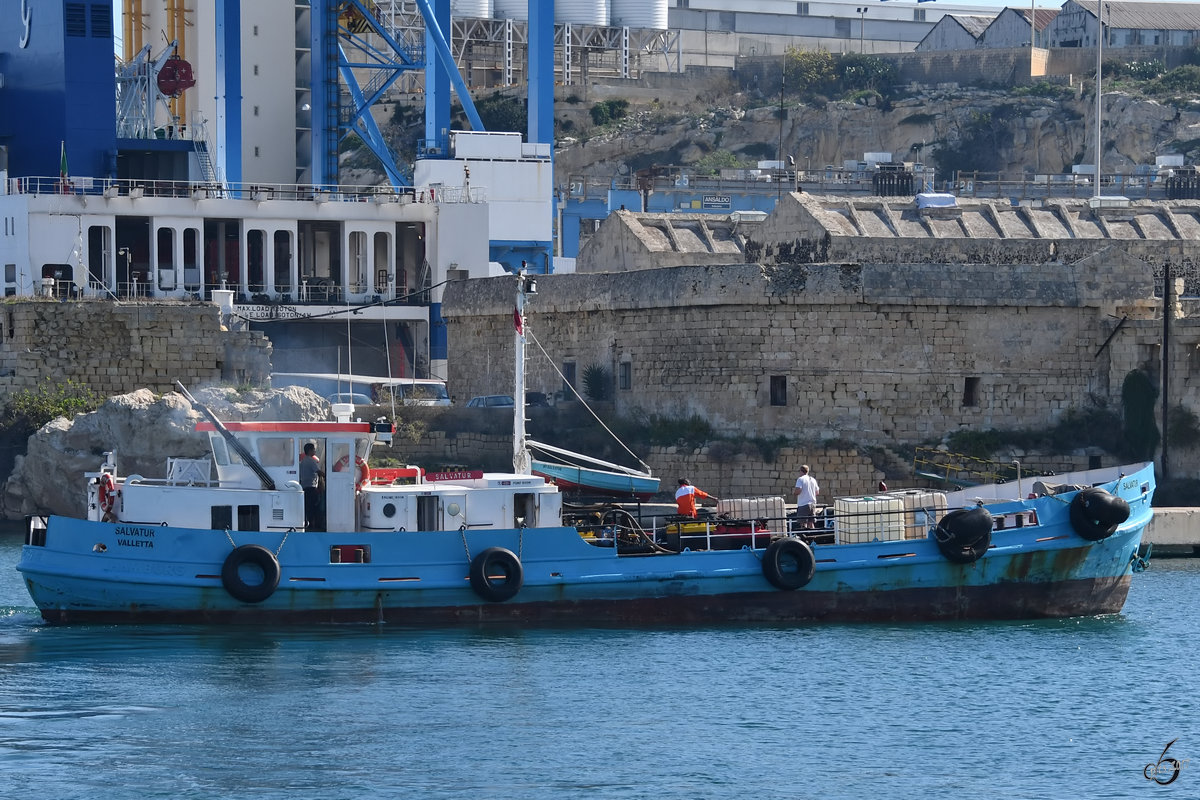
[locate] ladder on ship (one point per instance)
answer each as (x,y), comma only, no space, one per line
(208,172)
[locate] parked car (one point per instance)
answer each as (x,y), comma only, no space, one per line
(355,398)
(381,390)
(491,401)
(537,400)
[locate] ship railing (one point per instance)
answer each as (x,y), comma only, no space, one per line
(202,190)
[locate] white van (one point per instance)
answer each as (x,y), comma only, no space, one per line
(380,389)
(411,391)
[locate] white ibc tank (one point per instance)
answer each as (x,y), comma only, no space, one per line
(769,508)
(922,510)
(476,9)
(511,9)
(581,12)
(639,14)
(865,519)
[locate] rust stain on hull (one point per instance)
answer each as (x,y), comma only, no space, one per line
(1003,600)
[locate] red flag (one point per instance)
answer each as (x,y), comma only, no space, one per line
(518,323)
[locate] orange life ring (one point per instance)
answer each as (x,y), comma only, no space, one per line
(364,472)
(108,493)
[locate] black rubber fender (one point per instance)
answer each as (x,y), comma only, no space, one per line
(966,554)
(964,535)
(255,555)
(496,574)
(1096,514)
(789,564)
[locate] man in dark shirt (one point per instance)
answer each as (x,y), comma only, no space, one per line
(311,478)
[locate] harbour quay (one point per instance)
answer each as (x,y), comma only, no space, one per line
(1174,532)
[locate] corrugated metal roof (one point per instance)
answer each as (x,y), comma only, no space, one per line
(971,24)
(1147,16)
(1042,16)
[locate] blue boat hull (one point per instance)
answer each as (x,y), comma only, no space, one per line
(595,481)
(101,572)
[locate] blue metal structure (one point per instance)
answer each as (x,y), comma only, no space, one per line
(59,88)
(541,72)
(339,48)
(229,89)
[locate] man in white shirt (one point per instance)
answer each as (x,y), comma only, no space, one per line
(806,497)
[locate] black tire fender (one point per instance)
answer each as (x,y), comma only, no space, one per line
(789,564)
(255,555)
(964,535)
(1096,514)
(496,574)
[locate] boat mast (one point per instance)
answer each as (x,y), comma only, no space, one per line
(1099,96)
(522,462)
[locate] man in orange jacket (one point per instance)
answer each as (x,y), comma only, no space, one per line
(685,498)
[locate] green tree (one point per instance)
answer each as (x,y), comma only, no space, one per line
(808,73)
(858,72)
(608,111)
(499,112)
(597,382)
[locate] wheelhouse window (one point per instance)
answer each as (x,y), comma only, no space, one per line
(277,451)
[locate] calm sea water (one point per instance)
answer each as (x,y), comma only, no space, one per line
(1054,709)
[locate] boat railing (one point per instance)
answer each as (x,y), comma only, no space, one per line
(828,526)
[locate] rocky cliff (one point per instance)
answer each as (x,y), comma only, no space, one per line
(1016,133)
(143,430)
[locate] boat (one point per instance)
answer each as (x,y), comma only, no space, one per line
(473,547)
(593,477)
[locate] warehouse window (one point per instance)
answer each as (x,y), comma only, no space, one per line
(625,376)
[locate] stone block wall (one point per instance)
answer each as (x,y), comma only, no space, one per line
(117,347)
(840,472)
(870,354)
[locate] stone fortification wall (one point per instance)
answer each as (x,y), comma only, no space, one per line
(983,232)
(865,353)
(117,347)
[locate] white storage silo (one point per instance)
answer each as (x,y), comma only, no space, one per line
(475,9)
(511,9)
(650,14)
(581,12)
